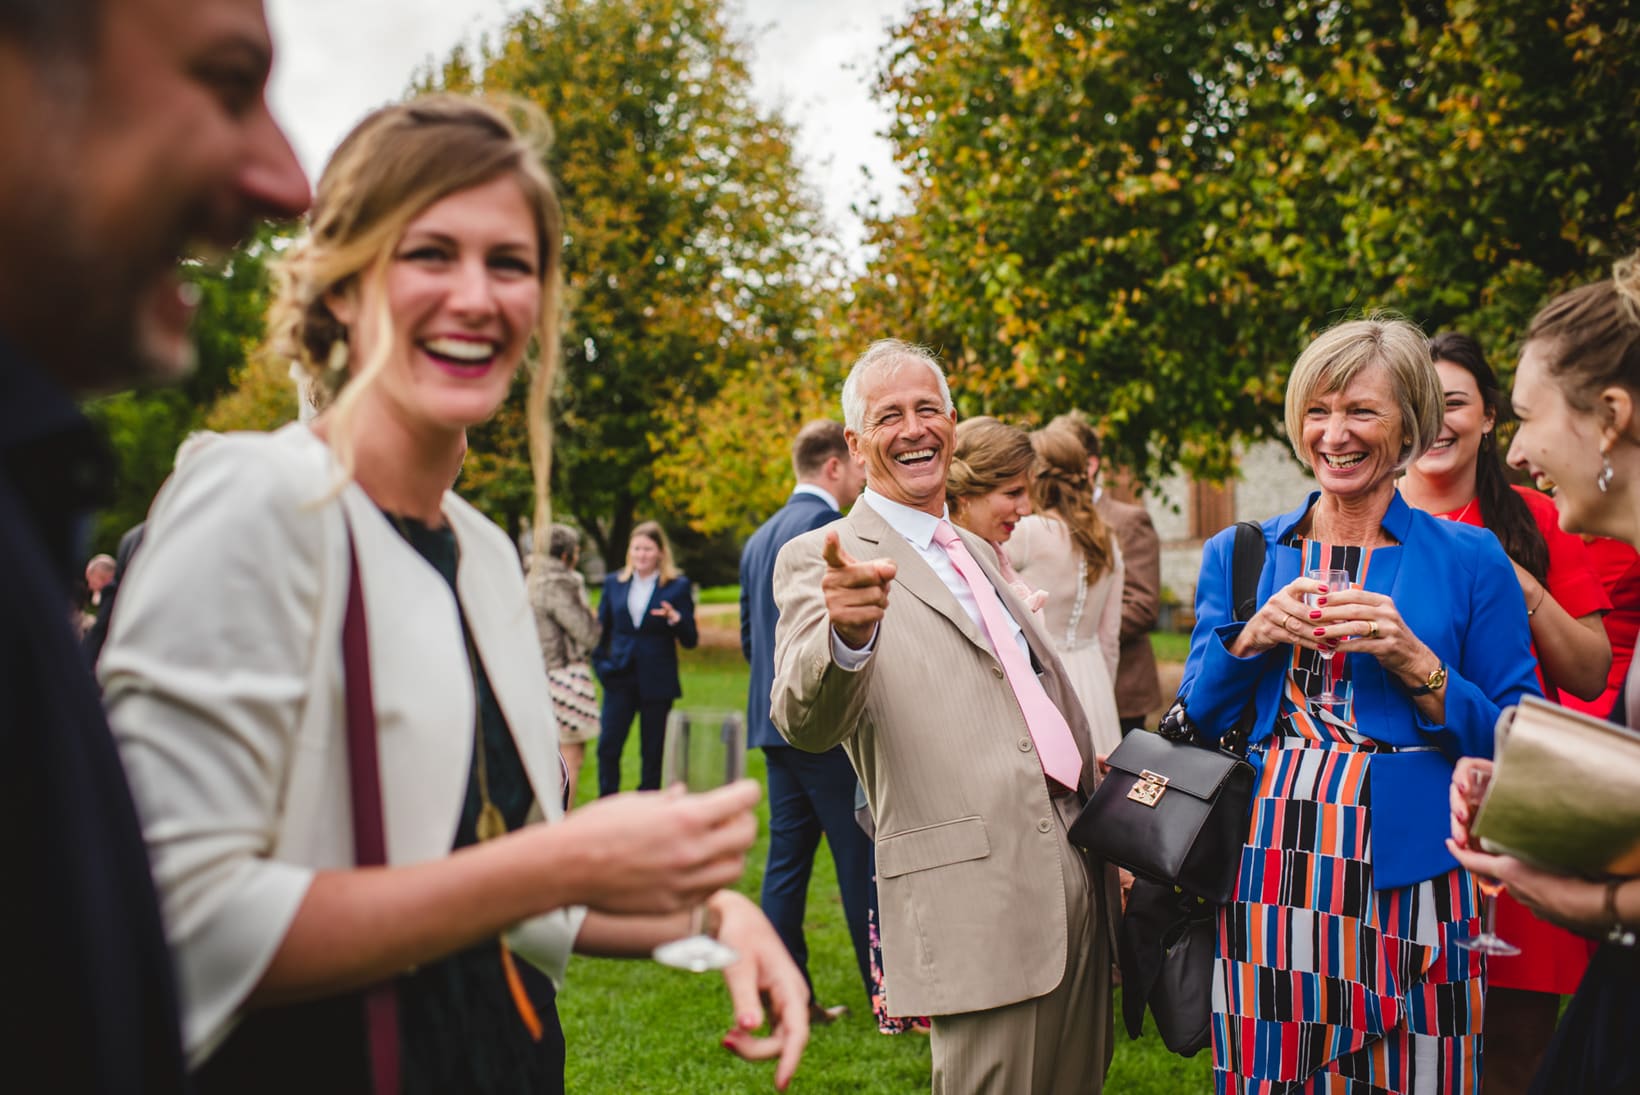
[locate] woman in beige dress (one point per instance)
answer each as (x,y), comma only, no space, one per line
(1065,549)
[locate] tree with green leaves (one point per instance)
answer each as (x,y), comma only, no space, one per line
(1145,210)
(145,427)
(692,251)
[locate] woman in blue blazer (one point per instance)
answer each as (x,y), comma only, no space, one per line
(1335,957)
(646,611)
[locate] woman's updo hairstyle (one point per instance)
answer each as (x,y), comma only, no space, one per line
(392,167)
(989,452)
(1593,335)
(1060,489)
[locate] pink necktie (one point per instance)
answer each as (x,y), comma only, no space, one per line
(1055,747)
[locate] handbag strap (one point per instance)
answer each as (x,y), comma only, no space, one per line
(381,1002)
(1246,568)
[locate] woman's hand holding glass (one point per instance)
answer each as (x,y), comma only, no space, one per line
(654,852)
(1371,624)
(1285,619)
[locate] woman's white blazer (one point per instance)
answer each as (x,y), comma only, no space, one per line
(223,680)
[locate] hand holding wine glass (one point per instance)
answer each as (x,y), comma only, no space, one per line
(1332,580)
(704,750)
(1469,785)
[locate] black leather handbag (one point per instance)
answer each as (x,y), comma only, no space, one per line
(1173,809)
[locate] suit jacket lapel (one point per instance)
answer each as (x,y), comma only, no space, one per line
(913,573)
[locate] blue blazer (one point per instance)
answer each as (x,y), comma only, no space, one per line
(1457,591)
(758,611)
(645,657)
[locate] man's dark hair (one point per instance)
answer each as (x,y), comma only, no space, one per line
(816,443)
(1085,433)
(57,26)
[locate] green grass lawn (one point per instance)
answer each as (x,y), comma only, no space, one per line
(637,1026)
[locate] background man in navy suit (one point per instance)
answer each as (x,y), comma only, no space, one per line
(809,793)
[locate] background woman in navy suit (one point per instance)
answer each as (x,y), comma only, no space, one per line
(646,611)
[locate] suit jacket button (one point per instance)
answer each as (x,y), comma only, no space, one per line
(1024,745)
(1044,826)
(996,670)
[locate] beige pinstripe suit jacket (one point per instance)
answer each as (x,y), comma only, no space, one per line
(972,861)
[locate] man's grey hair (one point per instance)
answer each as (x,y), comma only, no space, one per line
(885,355)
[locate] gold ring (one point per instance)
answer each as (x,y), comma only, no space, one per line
(1372,629)
(1287,624)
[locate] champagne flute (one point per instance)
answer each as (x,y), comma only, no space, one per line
(1335,580)
(1488,941)
(704,750)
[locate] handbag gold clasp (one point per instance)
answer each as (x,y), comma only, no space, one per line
(1147,789)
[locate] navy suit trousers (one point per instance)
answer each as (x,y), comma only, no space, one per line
(615,722)
(810,795)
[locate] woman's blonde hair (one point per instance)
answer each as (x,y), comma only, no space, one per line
(1060,489)
(651,530)
(1339,353)
(989,452)
(391,168)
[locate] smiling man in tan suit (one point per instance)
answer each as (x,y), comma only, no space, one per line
(974,754)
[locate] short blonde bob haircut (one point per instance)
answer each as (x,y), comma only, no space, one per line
(391,168)
(1339,353)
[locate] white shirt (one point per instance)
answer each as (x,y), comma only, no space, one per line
(917,526)
(638,594)
(819,492)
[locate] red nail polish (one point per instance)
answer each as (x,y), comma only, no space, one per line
(1315,615)
(1322,589)
(1320,631)
(1321,600)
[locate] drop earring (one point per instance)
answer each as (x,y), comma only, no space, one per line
(1604,479)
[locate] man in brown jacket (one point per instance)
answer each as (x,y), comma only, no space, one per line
(1138,693)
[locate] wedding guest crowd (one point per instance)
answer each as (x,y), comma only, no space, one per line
(312,832)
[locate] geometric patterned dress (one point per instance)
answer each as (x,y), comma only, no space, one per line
(1322,983)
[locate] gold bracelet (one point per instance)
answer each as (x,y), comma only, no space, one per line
(1618,934)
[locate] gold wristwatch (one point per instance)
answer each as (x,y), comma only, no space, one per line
(1437,680)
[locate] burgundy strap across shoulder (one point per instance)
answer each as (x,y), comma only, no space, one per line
(381,1003)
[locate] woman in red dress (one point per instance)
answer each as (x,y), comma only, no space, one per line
(1462,478)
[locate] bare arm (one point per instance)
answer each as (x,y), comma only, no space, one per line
(1574,651)
(646,853)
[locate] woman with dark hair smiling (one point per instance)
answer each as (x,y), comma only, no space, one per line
(1462,478)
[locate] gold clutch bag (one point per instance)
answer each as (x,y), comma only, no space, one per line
(1565,791)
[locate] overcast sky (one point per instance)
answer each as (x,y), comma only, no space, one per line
(337,59)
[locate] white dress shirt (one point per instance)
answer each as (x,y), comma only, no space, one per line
(638,594)
(917,526)
(819,492)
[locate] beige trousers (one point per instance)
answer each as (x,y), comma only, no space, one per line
(1057,1044)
